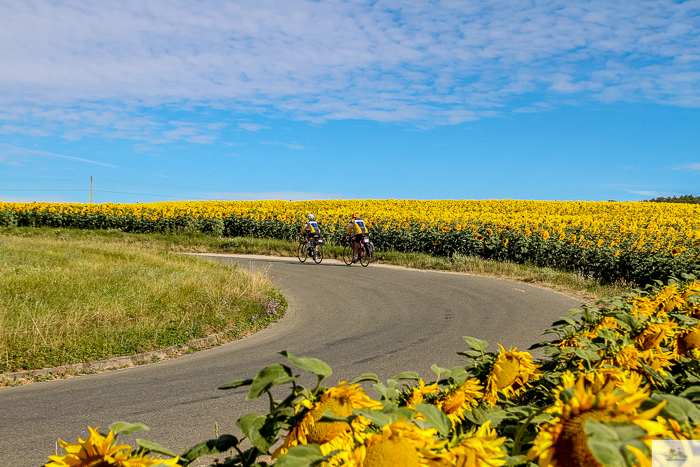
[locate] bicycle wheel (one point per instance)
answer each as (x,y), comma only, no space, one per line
(365,256)
(301,252)
(347,255)
(318,254)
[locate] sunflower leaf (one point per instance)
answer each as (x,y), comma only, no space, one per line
(496,416)
(366,377)
(406,375)
(436,418)
(126,428)
(213,446)
(475,415)
(678,408)
(587,355)
(397,413)
(692,393)
(626,321)
(236,384)
(150,446)
(608,442)
(303,455)
(382,390)
(254,427)
(459,374)
(440,372)
(551,351)
(664,380)
(375,416)
(312,365)
(267,378)
(516,460)
(475,343)
(607,334)
(470,353)
(329,416)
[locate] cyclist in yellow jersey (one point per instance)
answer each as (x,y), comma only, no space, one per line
(311,230)
(359,230)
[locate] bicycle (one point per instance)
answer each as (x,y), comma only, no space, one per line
(310,248)
(364,252)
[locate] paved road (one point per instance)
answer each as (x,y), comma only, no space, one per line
(359,320)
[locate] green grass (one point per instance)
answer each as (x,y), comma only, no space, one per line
(75,296)
(567,282)
(69,296)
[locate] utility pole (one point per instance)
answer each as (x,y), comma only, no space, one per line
(90,190)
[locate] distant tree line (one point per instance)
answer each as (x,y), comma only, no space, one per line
(677,199)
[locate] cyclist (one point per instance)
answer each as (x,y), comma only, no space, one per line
(314,231)
(359,230)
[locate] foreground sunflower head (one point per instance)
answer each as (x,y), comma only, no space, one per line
(563,442)
(481,448)
(454,402)
(510,375)
(339,400)
(398,444)
(102,451)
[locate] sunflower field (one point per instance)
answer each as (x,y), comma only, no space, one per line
(633,242)
(612,382)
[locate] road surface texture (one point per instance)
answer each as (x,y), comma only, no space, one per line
(378,319)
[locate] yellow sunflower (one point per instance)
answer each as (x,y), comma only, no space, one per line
(609,379)
(687,341)
(399,444)
(482,448)
(562,442)
(655,334)
(418,392)
(100,451)
(454,403)
(607,322)
(340,400)
(690,289)
(658,361)
(509,375)
(626,358)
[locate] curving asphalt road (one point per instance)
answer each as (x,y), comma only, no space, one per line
(378,319)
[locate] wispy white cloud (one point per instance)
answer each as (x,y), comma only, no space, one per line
(253,126)
(535,108)
(7,150)
(694,166)
(291,145)
(649,194)
(112,66)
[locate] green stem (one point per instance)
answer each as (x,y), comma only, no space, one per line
(272,401)
(318,384)
(521,430)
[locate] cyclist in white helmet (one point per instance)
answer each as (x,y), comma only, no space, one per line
(311,231)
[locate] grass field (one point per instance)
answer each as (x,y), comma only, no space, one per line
(72,296)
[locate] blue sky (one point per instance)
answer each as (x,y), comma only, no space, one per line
(200,100)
